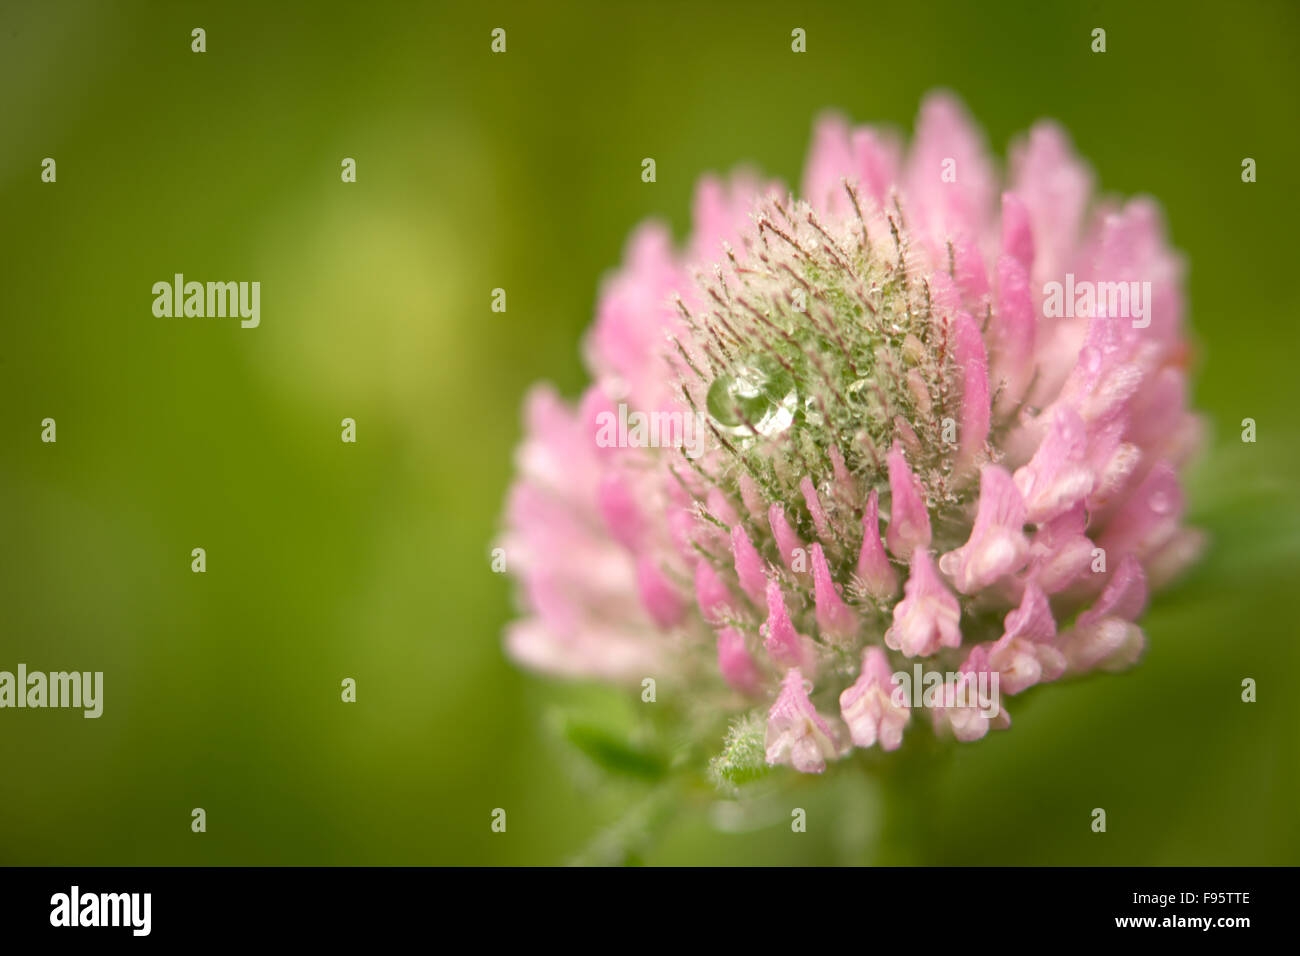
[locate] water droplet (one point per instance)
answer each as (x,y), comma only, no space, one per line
(811,411)
(779,416)
(1159,502)
(757,396)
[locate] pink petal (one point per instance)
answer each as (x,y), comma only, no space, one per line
(861,156)
(751,496)
(658,596)
(1150,516)
(1060,551)
(711,594)
(787,542)
(750,567)
(786,646)
(1105,636)
(845,486)
(815,509)
(971,706)
(1111,644)
(1057,476)
(796,734)
(736,663)
(968,352)
(607,654)
(873,565)
(1124,596)
(997,544)
(1025,655)
(909,521)
(721,214)
(869,706)
(941,209)
(926,619)
(1013,334)
(1169,560)
(1017,233)
(626,345)
(834,618)
(969,271)
(720,507)
(1054,188)
(1032,620)
(620,511)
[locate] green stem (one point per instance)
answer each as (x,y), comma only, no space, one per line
(625,842)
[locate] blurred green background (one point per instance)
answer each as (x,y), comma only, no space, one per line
(328,560)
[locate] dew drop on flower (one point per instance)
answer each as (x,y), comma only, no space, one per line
(753,396)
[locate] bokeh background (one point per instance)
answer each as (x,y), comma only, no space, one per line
(328,560)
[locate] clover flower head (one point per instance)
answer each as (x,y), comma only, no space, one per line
(916,414)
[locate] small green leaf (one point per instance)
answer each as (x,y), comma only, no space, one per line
(744,754)
(614,753)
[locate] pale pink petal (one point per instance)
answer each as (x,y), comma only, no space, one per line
(968,350)
(1054,188)
(711,594)
(969,272)
(815,508)
(751,496)
(720,507)
(1017,233)
(787,542)
(658,596)
(1149,518)
(736,663)
(926,619)
(864,157)
(796,734)
(1105,636)
(971,705)
(721,214)
(627,345)
(619,509)
(945,141)
(1110,644)
(608,654)
(834,618)
(1058,476)
(750,567)
(845,486)
(997,544)
(1124,596)
(1013,334)
(1172,558)
(786,646)
(869,706)
(1060,552)
(1026,654)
